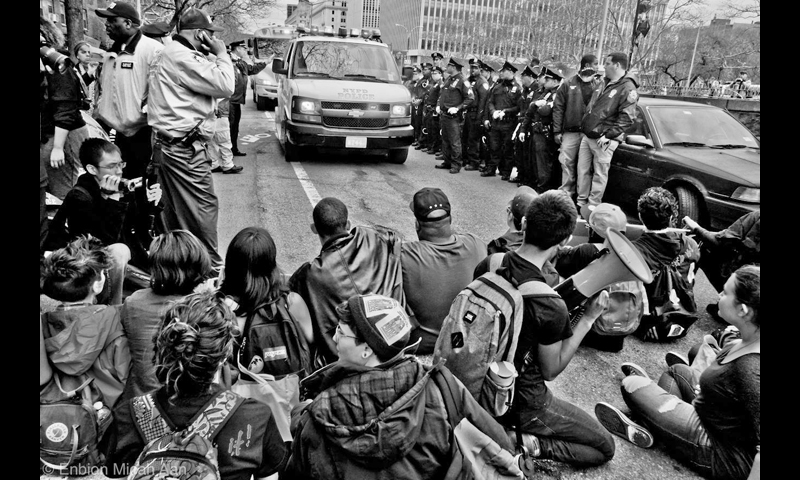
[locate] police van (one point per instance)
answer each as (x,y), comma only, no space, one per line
(341,92)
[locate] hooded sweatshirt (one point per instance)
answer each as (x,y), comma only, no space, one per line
(670,251)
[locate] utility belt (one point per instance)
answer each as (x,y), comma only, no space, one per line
(505,119)
(539,127)
(186,140)
(573,129)
(472,109)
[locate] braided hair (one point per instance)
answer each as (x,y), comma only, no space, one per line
(68,274)
(194,339)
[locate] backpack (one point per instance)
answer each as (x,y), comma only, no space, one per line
(475,455)
(627,303)
(483,327)
(273,357)
(180,455)
(70,427)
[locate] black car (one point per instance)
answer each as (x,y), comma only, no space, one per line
(702,154)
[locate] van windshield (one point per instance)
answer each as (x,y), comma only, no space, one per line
(340,60)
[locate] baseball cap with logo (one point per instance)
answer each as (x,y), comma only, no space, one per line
(382,322)
(605,216)
(195,18)
(157,29)
(430,204)
(119,9)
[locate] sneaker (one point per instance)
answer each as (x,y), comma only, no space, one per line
(618,423)
(234,169)
(675,358)
(632,369)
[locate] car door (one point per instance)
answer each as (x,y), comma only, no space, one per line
(632,167)
(284,95)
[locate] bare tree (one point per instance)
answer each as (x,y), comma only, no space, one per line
(74,13)
(231,14)
(743,8)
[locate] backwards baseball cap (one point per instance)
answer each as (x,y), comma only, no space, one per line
(195,18)
(119,9)
(607,215)
(382,322)
(157,29)
(523,198)
(430,204)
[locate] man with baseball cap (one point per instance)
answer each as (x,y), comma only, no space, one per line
(437,266)
(456,96)
(158,31)
(123,91)
(184,88)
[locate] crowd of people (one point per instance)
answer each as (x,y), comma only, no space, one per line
(331,371)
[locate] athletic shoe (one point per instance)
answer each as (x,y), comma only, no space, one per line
(675,358)
(632,369)
(619,424)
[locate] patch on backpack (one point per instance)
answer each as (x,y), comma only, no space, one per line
(273,354)
(457,340)
(469,317)
(56,432)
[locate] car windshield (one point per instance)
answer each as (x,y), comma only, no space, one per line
(360,62)
(700,127)
(266,48)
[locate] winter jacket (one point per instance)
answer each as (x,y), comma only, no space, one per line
(612,109)
(568,106)
(89,340)
(384,422)
(364,260)
(242,70)
(504,96)
(536,118)
(480,88)
(455,93)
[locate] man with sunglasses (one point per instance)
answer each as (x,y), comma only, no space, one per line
(185,86)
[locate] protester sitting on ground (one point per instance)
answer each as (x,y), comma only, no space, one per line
(376,412)
(437,266)
(710,420)
(101,206)
(81,336)
(194,339)
(551,428)
(179,265)
(362,260)
(721,253)
(672,257)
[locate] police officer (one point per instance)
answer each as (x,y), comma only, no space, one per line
(486,73)
(538,122)
(416,104)
(502,109)
(455,97)
(431,118)
(438,61)
(473,124)
(423,86)
(523,154)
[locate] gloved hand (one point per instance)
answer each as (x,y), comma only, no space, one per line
(452,110)
(521,136)
(557,138)
(438,110)
(539,103)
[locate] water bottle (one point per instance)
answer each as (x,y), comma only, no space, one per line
(103,416)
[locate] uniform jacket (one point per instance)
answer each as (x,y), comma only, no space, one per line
(124,83)
(365,260)
(528,94)
(89,340)
(241,70)
(612,108)
(381,422)
(568,107)
(480,88)
(455,93)
(184,88)
(537,118)
(504,96)
(432,94)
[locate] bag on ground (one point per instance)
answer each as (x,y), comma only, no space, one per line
(627,303)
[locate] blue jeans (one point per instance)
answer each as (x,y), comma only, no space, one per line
(568,434)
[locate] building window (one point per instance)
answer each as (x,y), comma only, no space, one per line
(344,4)
(85,19)
(50,8)
(63,19)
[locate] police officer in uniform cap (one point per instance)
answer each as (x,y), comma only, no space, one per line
(438,61)
(503,106)
(455,97)
(430,118)
(486,74)
(538,123)
(523,151)
(425,84)
(473,124)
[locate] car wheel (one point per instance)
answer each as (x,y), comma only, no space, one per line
(291,152)
(688,204)
(261,103)
(398,155)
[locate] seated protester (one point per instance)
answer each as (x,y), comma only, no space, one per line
(361,260)
(194,339)
(672,257)
(551,427)
(627,301)
(709,419)
(437,266)
(512,239)
(80,336)
(376,412)
(100,205)
(179,265)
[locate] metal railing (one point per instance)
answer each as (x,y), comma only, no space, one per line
(715,91)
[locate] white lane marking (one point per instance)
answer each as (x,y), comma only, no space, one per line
(311,192)
(270,116)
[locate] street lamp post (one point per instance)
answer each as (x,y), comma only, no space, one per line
(408,38)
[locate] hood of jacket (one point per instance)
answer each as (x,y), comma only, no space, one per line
(661,248)
(374,414)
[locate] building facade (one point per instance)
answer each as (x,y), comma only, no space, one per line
(94,28)
(336,13)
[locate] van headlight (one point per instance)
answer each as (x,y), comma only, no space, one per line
(747,194)
(306,110)
(401,109)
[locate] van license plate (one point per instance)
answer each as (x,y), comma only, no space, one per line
(355,142)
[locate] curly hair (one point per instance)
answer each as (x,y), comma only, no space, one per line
(252,274)
(657,208)
(195,337)
(550,218)
(178,263)
(68,274)
(747,288)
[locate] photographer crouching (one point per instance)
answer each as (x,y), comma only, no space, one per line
(102,204)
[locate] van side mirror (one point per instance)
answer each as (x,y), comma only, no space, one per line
(639,141)
(278,66)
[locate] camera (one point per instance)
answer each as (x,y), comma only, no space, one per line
(126,185)
(53,58)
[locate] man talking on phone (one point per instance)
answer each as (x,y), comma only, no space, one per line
(184,87)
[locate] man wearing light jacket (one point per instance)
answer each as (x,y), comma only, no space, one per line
(609,114)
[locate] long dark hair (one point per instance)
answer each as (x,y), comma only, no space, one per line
(252,274)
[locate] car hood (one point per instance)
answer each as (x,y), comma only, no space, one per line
(738,165)
(351,91)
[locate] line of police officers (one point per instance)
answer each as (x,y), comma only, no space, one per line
(487,122)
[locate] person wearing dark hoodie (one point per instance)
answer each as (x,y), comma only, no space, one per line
(672,257)
(376,412)
(608,116)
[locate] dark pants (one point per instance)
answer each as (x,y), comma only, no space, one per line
(546,167)
(416,121)
(502,148)
(234,116)
(431,122)
(451,139)
(473,132)
(137,153)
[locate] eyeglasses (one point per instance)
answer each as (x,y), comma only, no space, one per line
(340,332)
(113,166)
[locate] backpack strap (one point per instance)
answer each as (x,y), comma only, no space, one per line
(454,414)
(536,288)
(149,420)
(216,414)
(495,260)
